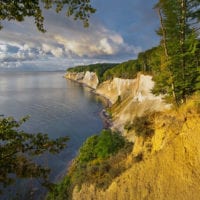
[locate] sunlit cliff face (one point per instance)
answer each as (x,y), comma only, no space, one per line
(133,97)
(91,79)
(168,171)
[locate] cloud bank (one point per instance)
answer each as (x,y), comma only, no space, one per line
(113,36)
(66,40)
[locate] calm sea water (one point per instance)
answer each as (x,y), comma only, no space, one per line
(56,106)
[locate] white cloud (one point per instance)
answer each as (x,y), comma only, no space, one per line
(46,48)
(2,55)
(20,43)
(3,47)
(100,42)
(117,39)
(55,51)
(106,47)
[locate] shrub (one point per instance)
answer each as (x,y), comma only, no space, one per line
(128,126)
(100,160)
(60,191)
(138,157)
(143,126)
(86,152)
(108,143)
(100,146)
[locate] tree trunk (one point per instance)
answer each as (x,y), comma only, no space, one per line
(182,45)
(166,53)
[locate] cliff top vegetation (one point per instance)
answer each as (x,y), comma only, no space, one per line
(98,68)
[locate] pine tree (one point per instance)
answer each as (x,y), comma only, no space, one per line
(179,32)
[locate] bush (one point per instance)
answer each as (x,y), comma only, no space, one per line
(100,160)
(143,126)
(61,191)
(86,152)
(128,126)
(138,157)
(100,146)
(108,143)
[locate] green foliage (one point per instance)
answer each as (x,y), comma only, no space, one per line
(18,149)
(60,191)
(100,160)
(98,68)
(86,152)
(100,146)
(19,10)
(125,70)
(107,71)
(179,69)
(94,164)
(108,143)
(149,59)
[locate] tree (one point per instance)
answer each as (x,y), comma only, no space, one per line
(179,21)
(17,150)
(19,9)
(148,58)
(125,70)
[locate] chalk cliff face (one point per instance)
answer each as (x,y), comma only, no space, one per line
(88,78)
(139,89)
(131,97)
(91,79)
(117,88)
(75,76)
(169,172)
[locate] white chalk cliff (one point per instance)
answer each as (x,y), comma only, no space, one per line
(88,78)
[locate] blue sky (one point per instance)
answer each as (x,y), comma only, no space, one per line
(118,31)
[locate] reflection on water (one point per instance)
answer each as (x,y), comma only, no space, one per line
(58,107)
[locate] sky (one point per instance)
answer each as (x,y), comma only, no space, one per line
(118,31)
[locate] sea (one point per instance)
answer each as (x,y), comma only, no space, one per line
(57,107)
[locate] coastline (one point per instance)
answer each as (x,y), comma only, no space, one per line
(106,119)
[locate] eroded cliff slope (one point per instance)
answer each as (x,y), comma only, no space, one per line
(130,98)
(168,170)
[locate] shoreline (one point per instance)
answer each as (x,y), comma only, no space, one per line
(106,119)
(107,122)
